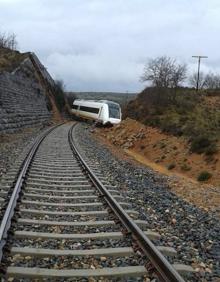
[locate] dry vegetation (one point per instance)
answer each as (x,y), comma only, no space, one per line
(177,110)
(10,59)
(195,116)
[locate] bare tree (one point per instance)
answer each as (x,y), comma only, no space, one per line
(212,81)
(178,74)
(164,72)
(3,40)
(193,80)
(12,42)
(8,41)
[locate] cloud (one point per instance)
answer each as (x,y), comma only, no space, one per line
(103,45)
(84,69)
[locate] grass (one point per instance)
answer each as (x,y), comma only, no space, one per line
(185,167)
(162,145)
(10,59)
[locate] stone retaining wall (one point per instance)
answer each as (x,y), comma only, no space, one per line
(23,101)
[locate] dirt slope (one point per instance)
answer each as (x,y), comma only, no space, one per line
(169,155)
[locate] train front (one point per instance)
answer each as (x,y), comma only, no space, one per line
(114,111)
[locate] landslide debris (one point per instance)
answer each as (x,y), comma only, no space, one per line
(167,153)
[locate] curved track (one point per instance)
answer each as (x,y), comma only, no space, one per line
(68,224)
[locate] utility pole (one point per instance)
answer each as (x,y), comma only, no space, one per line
(199,59)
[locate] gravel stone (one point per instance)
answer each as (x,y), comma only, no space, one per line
(13,150)
(55,146)
(193,232)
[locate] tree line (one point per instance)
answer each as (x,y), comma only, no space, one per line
(165,72)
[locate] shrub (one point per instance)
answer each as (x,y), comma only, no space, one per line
(204,175)
(59,94)
(203,144)
(211,150)
(189,114)
(171,166)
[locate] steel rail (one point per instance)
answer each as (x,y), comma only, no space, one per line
(163,268)
(9,212)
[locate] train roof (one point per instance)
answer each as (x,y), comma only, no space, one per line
(96,101)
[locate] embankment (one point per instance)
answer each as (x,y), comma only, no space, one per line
(169,155)
(25,95)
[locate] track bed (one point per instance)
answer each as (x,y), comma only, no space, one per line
(70,224)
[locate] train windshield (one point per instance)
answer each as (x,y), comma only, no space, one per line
(114,110)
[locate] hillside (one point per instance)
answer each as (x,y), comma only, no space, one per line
(190,113)
(27,92)
(196,116)
(178,136)
(168,155)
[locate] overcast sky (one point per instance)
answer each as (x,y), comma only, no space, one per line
(102,45)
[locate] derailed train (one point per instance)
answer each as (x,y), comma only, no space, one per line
(101,111)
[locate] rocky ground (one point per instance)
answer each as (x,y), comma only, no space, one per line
(12,146)
(192,231)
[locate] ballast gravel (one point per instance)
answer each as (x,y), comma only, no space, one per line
(194,233)
(69,262)
(14,148)
(15,145)
(68,229)
(63,244)
(75,218)
(74,262)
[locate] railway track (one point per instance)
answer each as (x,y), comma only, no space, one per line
(64,222)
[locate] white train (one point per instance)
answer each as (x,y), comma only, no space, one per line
(102,111)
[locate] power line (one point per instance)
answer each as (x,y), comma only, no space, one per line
(199,59)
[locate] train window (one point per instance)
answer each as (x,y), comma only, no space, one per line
(114,111)
(75,107)
(89,109)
